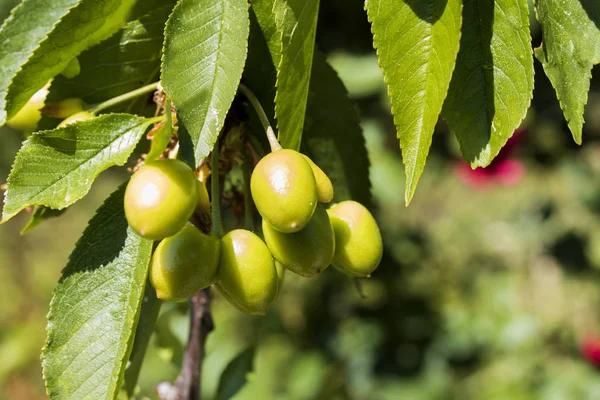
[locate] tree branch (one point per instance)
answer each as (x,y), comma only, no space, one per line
(187,386)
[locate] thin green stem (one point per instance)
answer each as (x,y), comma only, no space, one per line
(264,120)
(124,97)
(155,120)
(217,225)
(248,209)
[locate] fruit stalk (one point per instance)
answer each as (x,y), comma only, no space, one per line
(215,192)
(262,116)
(124,97)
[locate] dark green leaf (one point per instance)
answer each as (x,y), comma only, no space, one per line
(417,43)
(127,60)
(204,53)
(492,84)
(95,308)
(235,375)
(571,47)
(264,53)
(145,327)
(84,26)
(56,168)
(39,215)
(20,35)
(333,136)
(297,23)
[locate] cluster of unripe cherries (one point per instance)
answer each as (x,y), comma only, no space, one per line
(299,233)
(289,191)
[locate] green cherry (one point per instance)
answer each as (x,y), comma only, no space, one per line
(80,116)
(324,185)
(284,190)
(160,198)
(184,263)
(306,252)
(358,244)
(29,115)
(247,276)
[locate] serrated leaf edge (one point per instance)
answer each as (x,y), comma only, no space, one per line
(3,113)
(412,180)
(6,218)
(281,59)
(482,160)
(130,340)
(198,155)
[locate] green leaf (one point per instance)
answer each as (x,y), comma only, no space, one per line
(234,376)
(145,327)
(95,308)
(39,215)
(56,168)
(21,33)
(124,62)
(204,53)
(264,54)
(417,43)
(265,13)
(571,47)
(492,84)
(85,25)
(333,136)
(297,22)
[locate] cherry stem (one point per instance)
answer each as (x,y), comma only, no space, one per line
(215,193)
(248,209)
(262,116)
(124,97)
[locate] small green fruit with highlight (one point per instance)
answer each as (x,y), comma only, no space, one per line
(80,116)
(284,190)
(184,263)
(247,276)
(324,185)
(306,252)
(358,243)
(160,198)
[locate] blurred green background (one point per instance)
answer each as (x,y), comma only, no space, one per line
(489,284)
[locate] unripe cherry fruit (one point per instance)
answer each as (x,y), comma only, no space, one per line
(306,252)
(324,185)
(358,244)
(184,263)
(284,190)
(247,277)
(203,204)
(80,116)
(64,108)
(160,198)
(29,115)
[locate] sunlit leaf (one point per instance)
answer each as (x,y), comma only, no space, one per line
(20,35)
(570,49)
(83,26)
(492,84)
(204,53)
(56,168)
(297,24)
(124,62)
(95,308)
(417,43)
